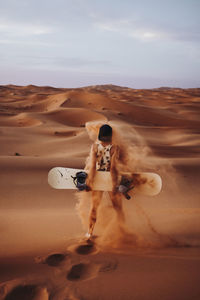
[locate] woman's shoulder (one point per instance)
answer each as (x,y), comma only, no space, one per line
(114,148)
(95,146)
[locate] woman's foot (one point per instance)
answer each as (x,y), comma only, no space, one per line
(88,235)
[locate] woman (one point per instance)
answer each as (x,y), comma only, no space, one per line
(104,156)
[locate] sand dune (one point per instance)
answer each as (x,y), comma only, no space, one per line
(43,254)
(20,120)
(75,117)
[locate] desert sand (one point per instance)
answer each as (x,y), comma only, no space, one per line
(43,254)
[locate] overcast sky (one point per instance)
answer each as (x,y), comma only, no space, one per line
(73,43)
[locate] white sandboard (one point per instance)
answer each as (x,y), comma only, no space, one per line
(145,183)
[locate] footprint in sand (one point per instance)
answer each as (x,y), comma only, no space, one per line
(54,260)
(85,249)
(30,292)
(83,271)
(80,271)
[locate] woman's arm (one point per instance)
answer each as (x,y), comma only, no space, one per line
(113,167)
(92,166)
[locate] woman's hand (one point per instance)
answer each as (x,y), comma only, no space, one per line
(89,184)
(115,189)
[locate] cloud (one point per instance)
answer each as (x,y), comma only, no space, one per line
(141,31)
(23,29)
(131,29)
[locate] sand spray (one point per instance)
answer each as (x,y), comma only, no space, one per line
(111,231)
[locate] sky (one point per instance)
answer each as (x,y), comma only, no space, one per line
(74,43)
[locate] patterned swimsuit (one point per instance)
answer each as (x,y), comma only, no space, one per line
(103,157)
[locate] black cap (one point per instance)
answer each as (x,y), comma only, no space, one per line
(105,131)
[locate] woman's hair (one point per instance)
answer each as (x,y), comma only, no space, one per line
(105,131)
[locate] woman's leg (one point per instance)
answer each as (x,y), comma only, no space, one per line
(116,199)
(96,198)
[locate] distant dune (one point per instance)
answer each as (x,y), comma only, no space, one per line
(42,252)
